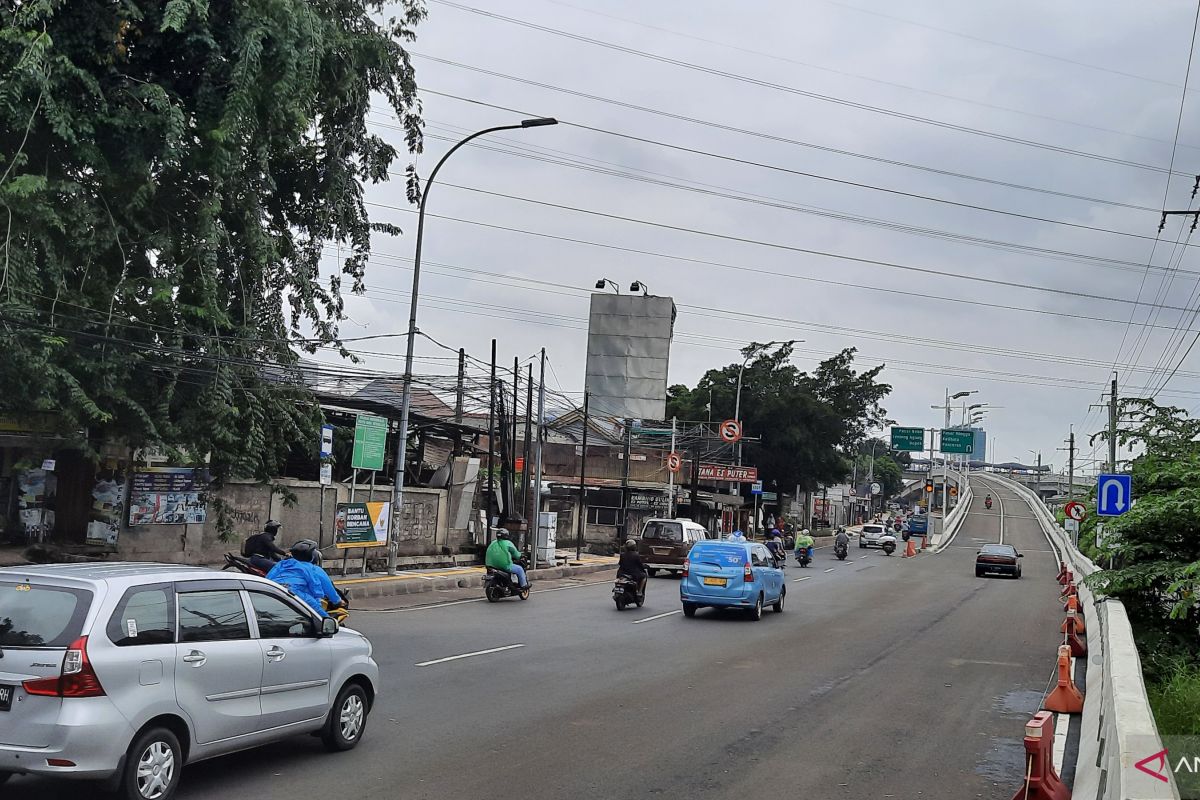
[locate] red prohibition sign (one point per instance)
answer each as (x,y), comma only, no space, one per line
(731,430)
(674,462)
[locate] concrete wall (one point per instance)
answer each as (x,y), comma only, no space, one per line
(424,522)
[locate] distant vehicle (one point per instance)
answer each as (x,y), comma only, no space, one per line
(872,535)
(919,523)
(124,672)
(1001,559)
(732,575)
(665,543)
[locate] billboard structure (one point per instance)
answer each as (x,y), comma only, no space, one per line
(629,348)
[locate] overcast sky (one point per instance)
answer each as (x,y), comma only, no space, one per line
(1099,78)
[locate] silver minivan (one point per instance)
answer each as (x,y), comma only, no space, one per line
(124,672)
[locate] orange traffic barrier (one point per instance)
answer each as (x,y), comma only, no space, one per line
(1062,570)
(1041,782)
(1074,616)
(1070,590)
(910,549)
(1066,697)
(1077,643)
(1065,577)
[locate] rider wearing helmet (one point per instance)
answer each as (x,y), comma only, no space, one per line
(804,542)
(632,566)
(503,555)
(304,578)
(261,548)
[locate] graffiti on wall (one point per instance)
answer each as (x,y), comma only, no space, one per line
(418,519)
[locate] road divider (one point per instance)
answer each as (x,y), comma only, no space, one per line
(1041,781)
(1065,698)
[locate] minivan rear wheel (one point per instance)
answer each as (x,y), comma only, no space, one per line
(152,766)
(757,611)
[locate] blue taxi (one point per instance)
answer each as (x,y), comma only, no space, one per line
(724,574)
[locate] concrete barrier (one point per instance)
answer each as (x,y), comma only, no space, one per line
(1118,727)
(954,520)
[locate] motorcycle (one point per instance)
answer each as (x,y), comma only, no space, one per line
(802,557)
(625,593)
(841,551)
(339,611)
(242,564)
(888,543)
(988,504)
(498,584)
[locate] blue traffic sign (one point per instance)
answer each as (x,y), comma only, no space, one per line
(1114,495)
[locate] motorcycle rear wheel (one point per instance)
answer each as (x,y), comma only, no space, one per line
(620,603)
(492,593)
(523,593)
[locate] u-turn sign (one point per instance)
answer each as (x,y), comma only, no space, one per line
(1114,495)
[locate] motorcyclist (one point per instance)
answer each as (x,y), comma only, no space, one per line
(842,539)
(775,544)
(804,542)
(631,566)
(304,578)
(261,548)
(987,501)
(503,555)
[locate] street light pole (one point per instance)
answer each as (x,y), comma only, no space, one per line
(406,397)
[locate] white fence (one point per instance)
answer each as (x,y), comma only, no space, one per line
(1118,727)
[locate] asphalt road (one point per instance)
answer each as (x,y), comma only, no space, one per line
(884,677)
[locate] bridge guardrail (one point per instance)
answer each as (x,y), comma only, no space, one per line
(1118,727)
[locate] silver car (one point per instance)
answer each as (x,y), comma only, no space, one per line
(872,535)
(125,672)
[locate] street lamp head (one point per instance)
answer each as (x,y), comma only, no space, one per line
(638,286)
(974,406)
(538,122)
(963,394)
(603,282)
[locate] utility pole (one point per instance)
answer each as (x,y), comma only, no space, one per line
(491,492)
(516,406)
(528,464)
(582,518)
(1112,427)
(671,478)
(625,459)
(695,480)
(459,396)
(537,483)
(1070,448)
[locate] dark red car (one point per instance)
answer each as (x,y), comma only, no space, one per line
(1000,559)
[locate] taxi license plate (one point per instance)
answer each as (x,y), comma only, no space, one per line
(6,696)
(714,581)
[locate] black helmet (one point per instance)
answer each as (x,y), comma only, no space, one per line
(306,550)
(630,545)
(272,527)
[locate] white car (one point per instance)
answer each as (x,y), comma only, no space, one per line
(872,535)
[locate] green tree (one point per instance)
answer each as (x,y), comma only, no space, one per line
(1154,548)
(809,423)
(169,174)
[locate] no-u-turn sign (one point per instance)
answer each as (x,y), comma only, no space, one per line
(731,430)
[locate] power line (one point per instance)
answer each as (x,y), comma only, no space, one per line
(796,91)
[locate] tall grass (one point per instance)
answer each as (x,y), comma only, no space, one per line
(1175,700)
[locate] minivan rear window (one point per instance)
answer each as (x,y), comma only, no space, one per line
(667,531)
(721,554)
(33,615)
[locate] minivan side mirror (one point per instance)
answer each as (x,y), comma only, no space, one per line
(1020,555)
(329,626)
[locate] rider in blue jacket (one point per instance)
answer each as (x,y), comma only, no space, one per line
(305,579)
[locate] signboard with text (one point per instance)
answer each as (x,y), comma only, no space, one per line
(168,496)
(958,441)
(370,442)
(725,472)
(910,439)
(361,524)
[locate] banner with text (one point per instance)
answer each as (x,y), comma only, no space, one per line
(725,472)
(361,524)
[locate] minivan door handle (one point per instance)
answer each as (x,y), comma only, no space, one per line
(276,653)
(195,658)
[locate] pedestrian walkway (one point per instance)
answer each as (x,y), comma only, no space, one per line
(412,581)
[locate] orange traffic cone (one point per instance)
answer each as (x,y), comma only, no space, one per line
(1066,697)
(910,551)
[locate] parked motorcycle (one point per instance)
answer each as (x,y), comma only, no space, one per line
(625,593)
(841,551)
(498,584)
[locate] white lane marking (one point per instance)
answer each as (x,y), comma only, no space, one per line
(802,579)
(657,616)
(469,655)
(464,602)
(860,558)
(1001,499)
(829,570)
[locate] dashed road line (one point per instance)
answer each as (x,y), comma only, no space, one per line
(469,655)
(806,577)
(657,616)
(829,570)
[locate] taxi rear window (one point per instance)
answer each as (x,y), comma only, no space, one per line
(717,553)
(33,615)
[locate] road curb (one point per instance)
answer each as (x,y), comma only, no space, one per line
(408,584)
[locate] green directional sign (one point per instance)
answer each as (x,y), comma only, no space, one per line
(370,442)
(958,441)
(911,439)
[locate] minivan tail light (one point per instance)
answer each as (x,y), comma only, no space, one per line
(686,566)
(77,677)
(748,574)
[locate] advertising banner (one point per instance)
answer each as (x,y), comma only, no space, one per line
(168,496)
(724,472)
(361,524)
